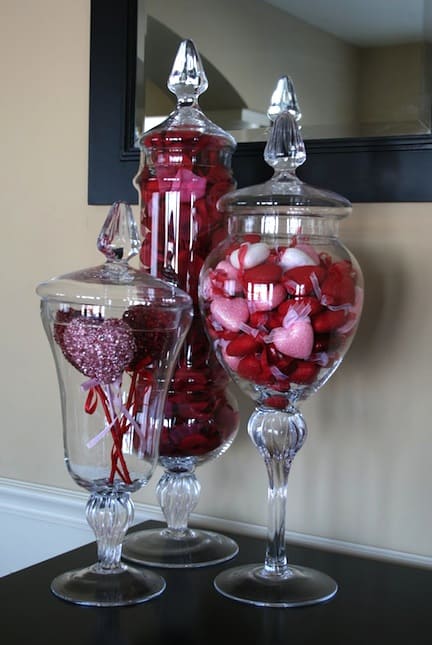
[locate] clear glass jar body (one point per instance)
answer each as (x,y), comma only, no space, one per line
(183,174)
(281,297)
(112,421)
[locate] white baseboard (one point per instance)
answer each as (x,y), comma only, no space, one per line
(40,522)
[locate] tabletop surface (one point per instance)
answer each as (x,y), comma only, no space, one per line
(377,602)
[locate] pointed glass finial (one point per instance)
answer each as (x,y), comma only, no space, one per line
(119,239)
(284,99)
(187,79)
(285,149)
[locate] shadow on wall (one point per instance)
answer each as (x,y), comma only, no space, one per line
(379,331)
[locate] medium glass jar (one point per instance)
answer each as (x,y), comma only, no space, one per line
(185,168)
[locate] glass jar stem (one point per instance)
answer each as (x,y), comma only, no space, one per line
(276,560)
(178,494)
(278,435)
(109,514)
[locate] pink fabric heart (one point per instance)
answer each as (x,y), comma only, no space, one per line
(228,275)
(229,312)
(296,337)
(189,185)
(296,340)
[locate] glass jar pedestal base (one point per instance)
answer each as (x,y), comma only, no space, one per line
(177,545)
(182,549)
(299,586)
(94,587)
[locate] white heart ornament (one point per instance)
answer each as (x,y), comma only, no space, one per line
(251,255)
(294,257)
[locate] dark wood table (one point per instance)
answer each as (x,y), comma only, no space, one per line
(377,602)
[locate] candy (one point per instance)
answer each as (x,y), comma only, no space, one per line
(188,185)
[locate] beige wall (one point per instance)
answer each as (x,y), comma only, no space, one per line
(365,472)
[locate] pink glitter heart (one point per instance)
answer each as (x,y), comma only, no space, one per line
(99,350)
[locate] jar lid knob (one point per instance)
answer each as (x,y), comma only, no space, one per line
(119,239)
(187,79)
(285,149)
(284,99)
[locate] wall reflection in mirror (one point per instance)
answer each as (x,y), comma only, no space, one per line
(360,67)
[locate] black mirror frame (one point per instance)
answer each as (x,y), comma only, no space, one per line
(378,169)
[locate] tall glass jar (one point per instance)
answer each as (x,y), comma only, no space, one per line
(281,332)
(185,168)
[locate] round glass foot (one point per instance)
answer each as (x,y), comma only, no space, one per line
(253,585)
(173,549)
(96,588)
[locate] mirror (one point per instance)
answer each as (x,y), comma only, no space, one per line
(382,164)
(360,67)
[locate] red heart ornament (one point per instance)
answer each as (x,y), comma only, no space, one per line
(299,281)
(266,273)
(328,321)
(242,345)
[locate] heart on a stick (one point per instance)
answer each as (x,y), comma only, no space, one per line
(100,350)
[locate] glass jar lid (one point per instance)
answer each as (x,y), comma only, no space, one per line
(115,283)
(187,81)
(284,193)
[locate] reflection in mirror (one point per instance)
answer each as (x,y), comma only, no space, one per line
(360,67)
